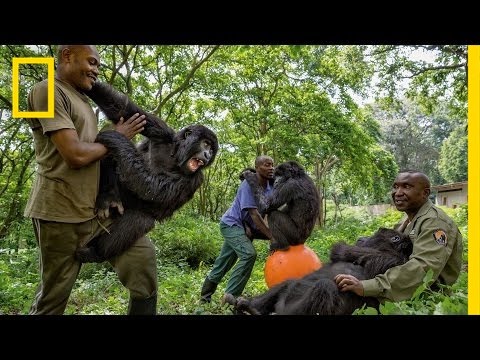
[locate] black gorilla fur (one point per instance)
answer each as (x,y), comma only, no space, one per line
(151,181)
(292,206)
(318,294)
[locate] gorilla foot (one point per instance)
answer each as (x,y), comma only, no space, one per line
(229,299)
(88,254)
(232,300)
(243,305)
(278,247)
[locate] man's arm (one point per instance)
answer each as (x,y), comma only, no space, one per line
(260,223)
(77,153)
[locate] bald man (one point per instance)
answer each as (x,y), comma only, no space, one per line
(62,199)
(437,244)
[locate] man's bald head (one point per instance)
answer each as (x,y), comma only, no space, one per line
(78,65)
(74,49)
(410,191)
(418,176)
(260,160)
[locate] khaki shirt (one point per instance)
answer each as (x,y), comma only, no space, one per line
(60,193)
(437,245)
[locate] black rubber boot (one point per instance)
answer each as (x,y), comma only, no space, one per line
(208,289)
(146,306)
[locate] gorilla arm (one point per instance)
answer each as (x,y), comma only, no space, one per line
(258,193)
(284,191)
(115,104)
(374,261)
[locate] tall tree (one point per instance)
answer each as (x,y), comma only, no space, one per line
(453,164)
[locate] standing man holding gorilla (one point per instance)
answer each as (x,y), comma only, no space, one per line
(239,225)
(437,244)
(62,200)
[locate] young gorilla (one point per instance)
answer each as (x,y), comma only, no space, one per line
(292,207)
(145,183)
(318,294)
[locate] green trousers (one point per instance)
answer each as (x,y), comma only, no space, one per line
(236,246)
(136,267)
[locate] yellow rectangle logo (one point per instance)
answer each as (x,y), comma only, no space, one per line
(16,113)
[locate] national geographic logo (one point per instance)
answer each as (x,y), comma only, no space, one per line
(16,113)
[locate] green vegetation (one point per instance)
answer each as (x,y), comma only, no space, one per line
(186,248)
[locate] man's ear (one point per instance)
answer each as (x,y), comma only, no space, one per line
(66,54)
(427,191)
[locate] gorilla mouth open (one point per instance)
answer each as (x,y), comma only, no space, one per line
(194,164)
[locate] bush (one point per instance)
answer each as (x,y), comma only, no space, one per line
(187,239)
(18,280)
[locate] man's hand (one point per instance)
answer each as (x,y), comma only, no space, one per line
(349,283)
(248,232)
(104,213)
(132,126)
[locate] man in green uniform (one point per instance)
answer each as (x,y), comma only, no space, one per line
(62,199)
(437,244)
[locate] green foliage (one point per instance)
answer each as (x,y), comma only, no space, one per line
(190,239)
(446,301)
(291,102)
(20,235)
(98,291)
(415,137)
(453,156)
(437,79)
(459,214)
(19,277)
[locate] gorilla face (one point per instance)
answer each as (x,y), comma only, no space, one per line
(387,239)
(195,147)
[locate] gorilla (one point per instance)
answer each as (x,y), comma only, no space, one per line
(145,183)
(292,207)
(317,292)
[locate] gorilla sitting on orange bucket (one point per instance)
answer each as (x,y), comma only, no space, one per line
(292,210)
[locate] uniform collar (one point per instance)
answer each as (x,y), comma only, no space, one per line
(405,223)
(423,210)
(80,94)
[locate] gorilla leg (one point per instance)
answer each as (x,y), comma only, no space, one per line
(266,303)
(109,192)
(314,298)
(124,231)
(284,231)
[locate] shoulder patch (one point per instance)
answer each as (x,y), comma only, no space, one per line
(440,237)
